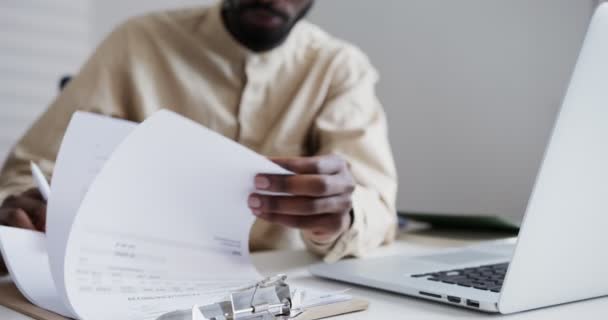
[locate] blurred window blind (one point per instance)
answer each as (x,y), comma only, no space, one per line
(40,41)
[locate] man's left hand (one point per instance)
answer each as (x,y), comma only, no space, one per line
(319,201)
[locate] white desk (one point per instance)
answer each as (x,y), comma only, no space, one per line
(392,306)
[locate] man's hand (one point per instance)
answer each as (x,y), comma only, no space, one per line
(26,211)
(320,201)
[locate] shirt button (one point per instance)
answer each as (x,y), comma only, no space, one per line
(256,86)
(253,60)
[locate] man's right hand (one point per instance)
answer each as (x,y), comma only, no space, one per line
(25,211)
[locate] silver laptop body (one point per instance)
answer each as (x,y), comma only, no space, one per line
(560,255)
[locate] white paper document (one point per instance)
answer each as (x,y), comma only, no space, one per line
(142,220)
(87,144)
(27,261)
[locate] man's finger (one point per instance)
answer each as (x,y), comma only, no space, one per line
(328,164)
(300,206)
(19,219)
(40,223)
(34,193)
(327,223)
(29,205)
(306,184)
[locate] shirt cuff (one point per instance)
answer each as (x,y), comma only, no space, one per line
(349,242)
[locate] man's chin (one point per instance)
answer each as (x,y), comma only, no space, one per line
(266,31)
(262,19)
(262,39)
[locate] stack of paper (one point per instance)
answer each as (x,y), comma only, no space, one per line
(142,220)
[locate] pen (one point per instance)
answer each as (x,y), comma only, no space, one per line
(40,180)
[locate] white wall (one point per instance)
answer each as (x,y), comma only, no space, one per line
(471,88)
(40,41)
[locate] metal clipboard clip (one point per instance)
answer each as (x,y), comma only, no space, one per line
(268,299)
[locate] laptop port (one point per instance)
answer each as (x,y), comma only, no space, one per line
(454,299)
(473,303)
(432,295)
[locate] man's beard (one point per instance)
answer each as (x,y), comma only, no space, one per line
(257,38)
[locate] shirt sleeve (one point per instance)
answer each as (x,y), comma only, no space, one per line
(352,124)
(99,87)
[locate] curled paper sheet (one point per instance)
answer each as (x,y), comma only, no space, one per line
(145,218)
(197,314)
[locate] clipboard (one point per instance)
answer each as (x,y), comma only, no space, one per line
(11,298)
(271,299)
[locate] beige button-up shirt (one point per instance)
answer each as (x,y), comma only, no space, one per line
(312,95)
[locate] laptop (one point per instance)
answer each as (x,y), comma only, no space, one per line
(560,255)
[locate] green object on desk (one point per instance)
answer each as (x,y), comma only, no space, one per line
(474,222)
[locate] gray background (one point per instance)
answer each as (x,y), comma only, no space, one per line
(471,87)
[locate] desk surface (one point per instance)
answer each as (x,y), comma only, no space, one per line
(386,305)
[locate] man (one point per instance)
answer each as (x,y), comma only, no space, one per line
(254,72)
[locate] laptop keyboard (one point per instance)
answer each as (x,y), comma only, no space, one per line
(487,278)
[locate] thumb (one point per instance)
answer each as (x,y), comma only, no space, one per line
(20,219)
